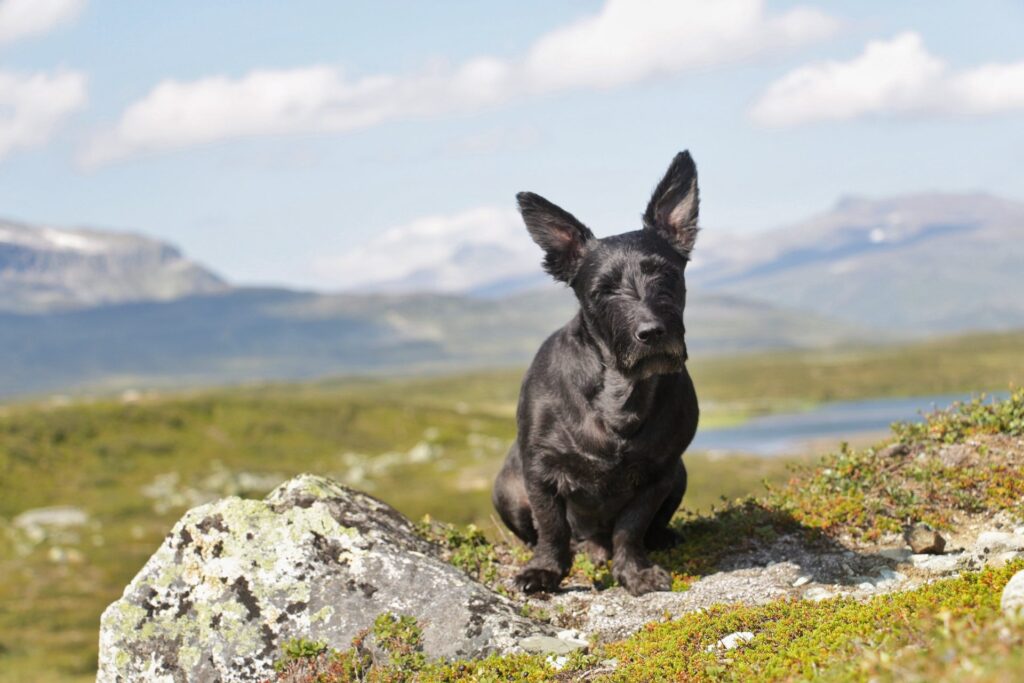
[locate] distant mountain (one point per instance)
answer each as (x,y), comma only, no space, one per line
(87,309)
(265,334)
(51,269)
(922,263)
(916,264)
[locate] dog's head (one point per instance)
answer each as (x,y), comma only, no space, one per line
(631,287)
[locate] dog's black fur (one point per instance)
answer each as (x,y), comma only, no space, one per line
(607,407)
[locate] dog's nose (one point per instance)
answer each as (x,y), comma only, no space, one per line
(649,332)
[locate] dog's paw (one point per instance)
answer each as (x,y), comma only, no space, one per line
(662,538)
(535,580)
(646,580)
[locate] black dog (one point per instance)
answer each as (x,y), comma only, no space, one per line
(607,407)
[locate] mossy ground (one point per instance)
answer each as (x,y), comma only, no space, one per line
(426,445)
(949,630)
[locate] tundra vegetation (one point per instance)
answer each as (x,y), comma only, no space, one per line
(125,468)
(950,630)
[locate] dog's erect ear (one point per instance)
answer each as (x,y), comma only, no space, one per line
(562,237)
(674,205)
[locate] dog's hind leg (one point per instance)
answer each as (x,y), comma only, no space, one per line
(659,536)
(510,499)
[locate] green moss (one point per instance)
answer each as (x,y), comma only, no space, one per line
(950,630)
(832,639)
(871,492)
(402,639)
(465,547)
(299,648)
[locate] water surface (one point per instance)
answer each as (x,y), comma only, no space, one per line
(786,433)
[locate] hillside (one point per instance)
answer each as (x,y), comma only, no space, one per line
(938,263)
(53,269)
(250,334)
(110,477)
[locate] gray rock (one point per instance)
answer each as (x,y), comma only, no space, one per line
(1013,595)
(999,541)
(998,560)
(942,564)
(895,450)
(613,614)
(955,455)
(551,645)
(237,578)
(61,516)
(818,593)
(896,554)
(923,539)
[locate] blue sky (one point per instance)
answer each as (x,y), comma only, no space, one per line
(281,142)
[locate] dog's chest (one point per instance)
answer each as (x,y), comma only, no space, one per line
(606,464)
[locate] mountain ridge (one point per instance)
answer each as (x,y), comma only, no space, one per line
(45,269)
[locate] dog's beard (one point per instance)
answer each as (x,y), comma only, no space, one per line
(642,362)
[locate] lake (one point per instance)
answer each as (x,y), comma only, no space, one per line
(787,433)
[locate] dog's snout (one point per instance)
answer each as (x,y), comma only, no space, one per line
(649,332)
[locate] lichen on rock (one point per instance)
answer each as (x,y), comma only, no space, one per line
(237,578)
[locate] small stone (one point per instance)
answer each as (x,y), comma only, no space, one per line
(922,539)
(997,541)
(1013,595)
(895,450)
(937,563)
(817,594)
(803,580)
(573,637)
(62,516)
(866,586)
(731,641)
(548,645)
(896,554)
(889,576)
(954,455)
(1019,531)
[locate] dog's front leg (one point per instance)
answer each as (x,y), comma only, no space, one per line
(630,565)
(551,555)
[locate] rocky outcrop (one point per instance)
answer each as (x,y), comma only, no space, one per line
(235,579)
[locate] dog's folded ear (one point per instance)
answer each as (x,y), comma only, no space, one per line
(562,237)
(672,212)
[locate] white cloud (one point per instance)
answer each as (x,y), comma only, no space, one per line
(627,41)
(23,18)
(33,105)
(894,77)
(438,253)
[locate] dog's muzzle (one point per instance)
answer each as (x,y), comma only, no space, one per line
(647,360)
